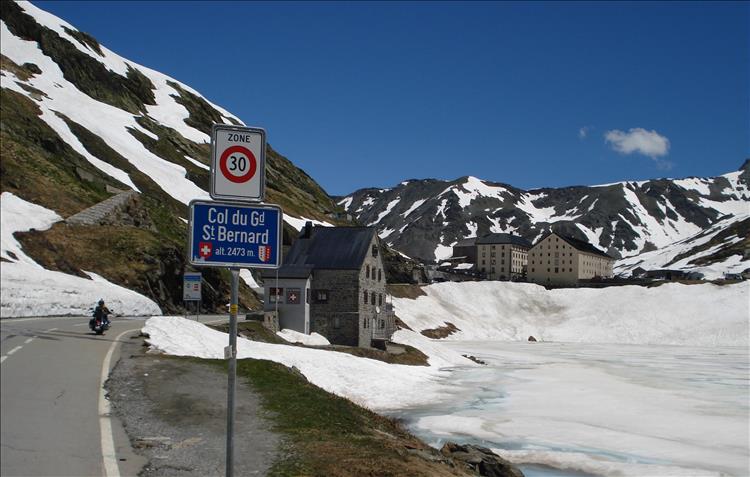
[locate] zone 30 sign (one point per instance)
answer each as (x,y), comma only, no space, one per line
(237,163)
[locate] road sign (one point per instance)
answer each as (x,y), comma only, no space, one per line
(235,235)
(191,286)
(238,163)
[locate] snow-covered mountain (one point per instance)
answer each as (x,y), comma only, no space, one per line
(80,124)
(424,218)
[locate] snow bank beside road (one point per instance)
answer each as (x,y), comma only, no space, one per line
(671,314)
(374,384)
(28,289)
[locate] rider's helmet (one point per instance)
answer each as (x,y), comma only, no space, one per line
(101,302)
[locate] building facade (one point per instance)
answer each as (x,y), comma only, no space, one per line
(557,260)
(345,286)
(502,256)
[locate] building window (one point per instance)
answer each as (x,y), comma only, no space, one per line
(372,298)
(532,269)
(374,250)
(367,272)
(571,269)
(337,322)
(557,270)
(365,323)
(380,299)
(320,296)
(364,293)
(548,270)
(275,295)
(380,274)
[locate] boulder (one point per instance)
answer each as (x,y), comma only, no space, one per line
(531,338)
(480,460)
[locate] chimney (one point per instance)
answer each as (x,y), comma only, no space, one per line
(306,231)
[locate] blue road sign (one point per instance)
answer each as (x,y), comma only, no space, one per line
(234,235)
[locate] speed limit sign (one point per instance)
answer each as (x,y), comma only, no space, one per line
(238,157)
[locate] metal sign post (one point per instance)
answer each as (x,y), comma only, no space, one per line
(232,385)
(235,235)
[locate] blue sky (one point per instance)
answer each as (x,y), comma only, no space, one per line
(530,94)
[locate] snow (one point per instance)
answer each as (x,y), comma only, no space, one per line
(413,207)
(313,339)
(473,188)
(346,202)
(542,214)
(593,236)
(18,215)
(728,207)
(662,258)
(443,252)
(697,184)
(387,210)
(385,233)
(619,410)
(441,208)
(198,163)
(299,223)
(27,289)
(247,277)
(366,203)
(373,384)
(650,230)
(110,123)
(671,314)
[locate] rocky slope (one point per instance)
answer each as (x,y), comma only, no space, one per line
(424,218)
(80,124)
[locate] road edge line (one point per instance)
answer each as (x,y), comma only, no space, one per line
(109,458)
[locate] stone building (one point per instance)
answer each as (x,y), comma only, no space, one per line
(465,251)
(332,282)
(502,256)
(558,260)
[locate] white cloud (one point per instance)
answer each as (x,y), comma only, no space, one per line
(584,131)
(648,143)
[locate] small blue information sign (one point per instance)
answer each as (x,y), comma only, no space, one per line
(234,235)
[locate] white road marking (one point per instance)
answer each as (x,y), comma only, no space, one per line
(29,340)
(3,358)
(111,468)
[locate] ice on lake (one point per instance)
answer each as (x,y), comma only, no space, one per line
(599,409)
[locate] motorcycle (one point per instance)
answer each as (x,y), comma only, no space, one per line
(100,325)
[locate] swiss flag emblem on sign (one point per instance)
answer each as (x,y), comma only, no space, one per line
(205,249)
(264,253)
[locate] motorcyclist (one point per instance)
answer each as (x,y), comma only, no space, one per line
(101,313)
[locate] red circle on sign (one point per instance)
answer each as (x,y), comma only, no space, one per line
(242,150)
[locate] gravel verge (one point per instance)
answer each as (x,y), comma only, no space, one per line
(174,413)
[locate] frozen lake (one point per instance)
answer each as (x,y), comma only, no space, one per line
(606,410)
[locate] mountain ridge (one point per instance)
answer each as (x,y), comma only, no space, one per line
(624,218)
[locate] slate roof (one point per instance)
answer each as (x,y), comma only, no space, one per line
(467,242)
(288,271)
(580,245)
(504,238)
(332,248)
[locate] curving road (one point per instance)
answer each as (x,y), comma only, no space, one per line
(55,417)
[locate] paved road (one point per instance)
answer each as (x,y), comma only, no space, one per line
(55,419)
